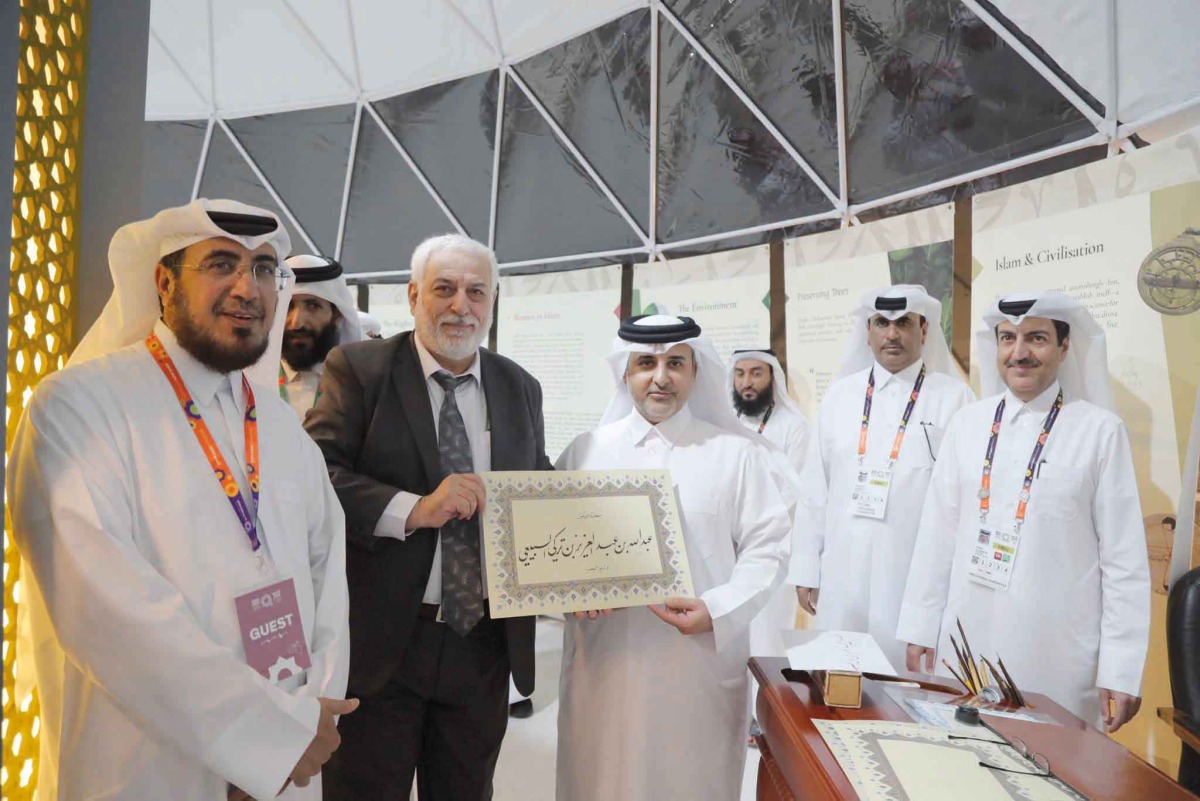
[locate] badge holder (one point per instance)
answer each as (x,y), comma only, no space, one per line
(273,633)
(871,489)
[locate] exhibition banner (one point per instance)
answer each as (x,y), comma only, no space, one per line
(388,303)
(726,293)
(560,327)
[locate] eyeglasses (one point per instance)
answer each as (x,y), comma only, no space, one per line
(1039,762)
(269,276)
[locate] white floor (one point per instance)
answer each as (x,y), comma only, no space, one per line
(526,768)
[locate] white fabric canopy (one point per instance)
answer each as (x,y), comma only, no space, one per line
(329,48)
(1118,75)
(324,50)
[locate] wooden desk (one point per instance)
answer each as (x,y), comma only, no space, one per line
(796,765)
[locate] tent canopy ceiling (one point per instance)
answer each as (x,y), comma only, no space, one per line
(561,132)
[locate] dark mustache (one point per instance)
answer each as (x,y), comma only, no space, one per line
(257,312)
(236,306)
(1023,363)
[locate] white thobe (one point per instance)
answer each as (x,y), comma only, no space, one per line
(133,557)
(647,713)
(860,564)
(300,386)
(1076,615)
(789,431)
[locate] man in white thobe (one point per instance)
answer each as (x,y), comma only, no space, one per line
(321,315)
(653,701)
(758,387)
(870,456)
(1039,551)
(135,556)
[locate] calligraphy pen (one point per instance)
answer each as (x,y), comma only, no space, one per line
(974,676)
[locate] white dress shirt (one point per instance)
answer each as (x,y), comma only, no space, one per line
(860,564)
(472,405)
(301,386)
(1076,615)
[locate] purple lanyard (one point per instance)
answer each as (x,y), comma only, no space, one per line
(985,486)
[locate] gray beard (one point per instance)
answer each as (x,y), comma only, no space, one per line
(432,339)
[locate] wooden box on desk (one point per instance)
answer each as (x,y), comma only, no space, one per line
(796,765)
(841,688)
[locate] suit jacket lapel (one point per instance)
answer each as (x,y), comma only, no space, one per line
(503,398)
(414,399)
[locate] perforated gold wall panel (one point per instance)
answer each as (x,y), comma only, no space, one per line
(45,216)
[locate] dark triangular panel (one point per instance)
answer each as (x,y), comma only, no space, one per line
(933,92)
(227,175)
(170,155)
(597,88)
(390,211)
(780,52)
(450,132)
(548,205)
(719,169)
(304,156)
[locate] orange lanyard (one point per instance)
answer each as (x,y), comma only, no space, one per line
(219,466)
(908,410)
(985,483)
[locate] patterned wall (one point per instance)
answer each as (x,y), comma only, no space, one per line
(45,217)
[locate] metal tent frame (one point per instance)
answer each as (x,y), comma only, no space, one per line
(1109,132)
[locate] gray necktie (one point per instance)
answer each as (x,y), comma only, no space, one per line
(462,586)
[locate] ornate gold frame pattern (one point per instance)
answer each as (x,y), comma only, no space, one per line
(508,598)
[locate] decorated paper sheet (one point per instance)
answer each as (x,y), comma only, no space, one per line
(889,761)
(854,651)
(569,541)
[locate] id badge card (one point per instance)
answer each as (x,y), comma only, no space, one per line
(994,556)
(272,632)
(870,494)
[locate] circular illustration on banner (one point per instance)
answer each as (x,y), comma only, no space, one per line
(1169,278)
(1160,539)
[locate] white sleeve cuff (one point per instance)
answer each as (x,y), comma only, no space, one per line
(804,571)
(1120,668)
(919,625)
(727,624)
(392,523)
(280,732)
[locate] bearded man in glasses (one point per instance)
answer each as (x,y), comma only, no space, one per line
(184,601)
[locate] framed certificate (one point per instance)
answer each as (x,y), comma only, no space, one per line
(571,541)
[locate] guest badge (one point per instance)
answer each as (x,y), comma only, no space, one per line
(870,495)
(994,556)
(272,633)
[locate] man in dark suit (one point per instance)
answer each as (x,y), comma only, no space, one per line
(406,424)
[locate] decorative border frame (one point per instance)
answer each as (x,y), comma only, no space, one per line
(509,598)
(856,746)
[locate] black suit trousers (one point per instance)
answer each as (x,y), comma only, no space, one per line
(443,715)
